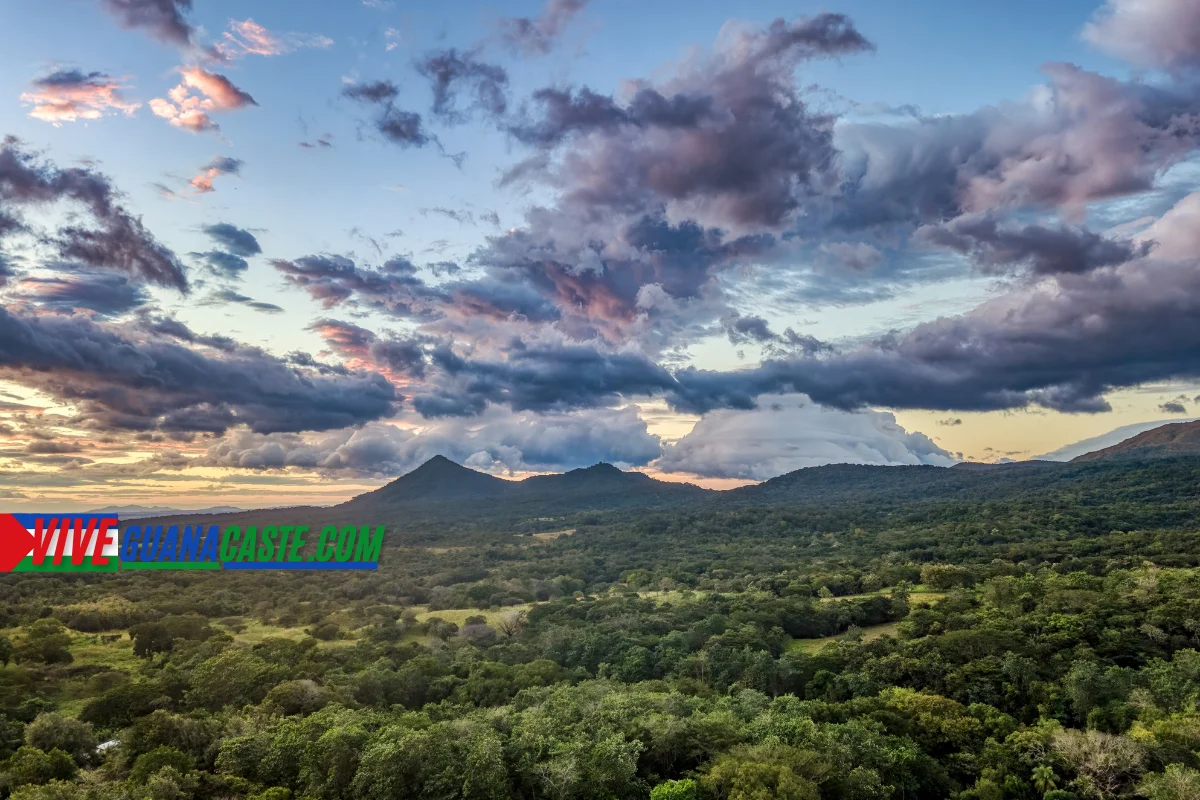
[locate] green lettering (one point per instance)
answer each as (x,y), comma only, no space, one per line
(297,543)
(369,544)
(266,549)
(324,546)
(228,541)
(345,544)
(246,551)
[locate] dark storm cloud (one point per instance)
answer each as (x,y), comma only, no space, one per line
(398,126)
(120,243)
(602,275)
(1061,345)
(394,287)
(539,377)
(1044,250)
(225,265)
(1173,407)
(166,20)
(103,292)
(535,36)
(451,72)
(742,330)
(234,239)
(118,380)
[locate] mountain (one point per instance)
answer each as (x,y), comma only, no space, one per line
(1115,436)
(1167,441)
(439,489)
(438,479)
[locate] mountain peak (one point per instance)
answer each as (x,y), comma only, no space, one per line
(1165,441)
(439,478)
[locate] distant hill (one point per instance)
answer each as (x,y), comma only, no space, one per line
(454,489)
(141,512)
(841,483)
(1167,441)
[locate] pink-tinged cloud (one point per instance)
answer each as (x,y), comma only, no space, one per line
(217,88)
(202,183)
(249,38)
(189,119)
(71,95)
(1153,33)
(200,92)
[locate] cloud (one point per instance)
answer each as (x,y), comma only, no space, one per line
(249,38)
(103,292)
(200,92)
(500,442)
(1080,138)
(163,377)
(228,297)
(398,358)
(449,72)
(398,126)
(67,95)
(332,280)
(165,20)
(1000,248)
(223,264)
(547,376)
(744,330)
(950,422)
(792,434)
(537,36)
(1152,33)
(234,239)
(727,140)
(120,243)
(853,256)
(1173,407)
(1059,343)
(202,182)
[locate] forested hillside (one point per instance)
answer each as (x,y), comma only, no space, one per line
(838,633)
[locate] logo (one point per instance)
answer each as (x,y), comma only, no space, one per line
(92,543)
(58,543)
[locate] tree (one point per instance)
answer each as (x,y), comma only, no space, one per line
(760,773)
(73,737)
(1106,764)
(46,641)
(150,638)
(1044,778)
(157,759)
(30,765)
(6,650)
(54,790)
(686,789)
(512,623)
(1177,782)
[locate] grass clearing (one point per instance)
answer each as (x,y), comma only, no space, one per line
(869,633)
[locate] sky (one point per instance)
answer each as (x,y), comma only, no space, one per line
(261,253)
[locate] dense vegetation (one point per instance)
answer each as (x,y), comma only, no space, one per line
(1011,637)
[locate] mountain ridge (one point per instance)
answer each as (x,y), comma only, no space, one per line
(1174,439)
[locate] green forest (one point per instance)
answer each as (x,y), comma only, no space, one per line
(978,644)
